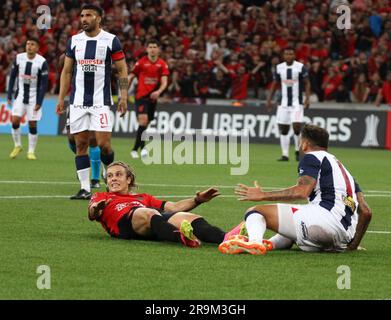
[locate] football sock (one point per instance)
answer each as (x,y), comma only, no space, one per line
(83,171)
(281,242)
(255,225)
(95,162)
(33,138)
(163,230)
(296,138)
(139,143)
(16,136)
(107,158)
(72,146)
(284,141)
(206,232)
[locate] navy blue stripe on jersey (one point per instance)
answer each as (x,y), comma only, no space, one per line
(326,184)
(347,219)
(309,166)
(89,77)
(69,52)
(26,85)
(289,88)
(107,85)
(73,85)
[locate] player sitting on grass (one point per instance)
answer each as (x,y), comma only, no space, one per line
(127,215)
(335,219)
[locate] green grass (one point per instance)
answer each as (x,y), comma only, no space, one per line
(87,264)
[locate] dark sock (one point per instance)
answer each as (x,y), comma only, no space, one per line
(107,158)
(138,142)
(163,230)
(206,232)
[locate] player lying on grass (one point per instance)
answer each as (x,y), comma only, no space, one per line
(335,219)
(128,215)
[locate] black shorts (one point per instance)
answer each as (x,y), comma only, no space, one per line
(146,106)
(126,230)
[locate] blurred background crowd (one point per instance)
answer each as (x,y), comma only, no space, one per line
(224,48)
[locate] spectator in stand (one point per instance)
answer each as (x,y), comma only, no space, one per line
(361,89)
(331,81)
(188,85)
(342,94)
(219,85)
(384,93)
(374,86)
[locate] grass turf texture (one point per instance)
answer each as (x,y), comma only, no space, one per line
(87,264)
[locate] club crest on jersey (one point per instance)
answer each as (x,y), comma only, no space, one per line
(349,202)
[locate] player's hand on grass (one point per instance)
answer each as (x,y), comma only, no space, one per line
(206,195)
(246,193)
(60,107)
(122,107)
(97,208)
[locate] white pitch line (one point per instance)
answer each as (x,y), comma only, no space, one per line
(382,192)
(379,232)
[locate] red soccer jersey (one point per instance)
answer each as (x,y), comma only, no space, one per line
(149,74)
(120,205)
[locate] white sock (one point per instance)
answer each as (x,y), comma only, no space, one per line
(104,171)
(84,178)
(17,137)
(284,142)
(281,242)
(33,138)
(256,227)
(296,137)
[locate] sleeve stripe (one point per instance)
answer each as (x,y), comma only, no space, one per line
(117,55)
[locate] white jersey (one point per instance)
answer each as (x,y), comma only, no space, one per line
(291,78)
(93,58)
(29,73)
(335,188)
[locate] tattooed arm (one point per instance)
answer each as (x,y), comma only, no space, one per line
(300,191)
(123,85)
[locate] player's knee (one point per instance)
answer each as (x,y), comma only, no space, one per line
(144,216)
(81,146)
(33,130)
(252,210)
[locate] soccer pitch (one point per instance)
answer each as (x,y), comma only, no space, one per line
(41,226)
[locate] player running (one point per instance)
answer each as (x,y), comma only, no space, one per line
(152,75)
(293,77)
(128,215)
(91,53)
(31,71)
(335,219)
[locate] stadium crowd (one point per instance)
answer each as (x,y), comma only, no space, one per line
(224,49)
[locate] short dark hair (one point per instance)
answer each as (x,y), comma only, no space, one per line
(129,172)
(152,41)
(35,39)
(289,48)
(97,9)
(317,136)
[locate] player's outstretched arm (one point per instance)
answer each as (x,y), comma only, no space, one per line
(95,209)
(364,218)
(190,203)
(300,191)
(65,82)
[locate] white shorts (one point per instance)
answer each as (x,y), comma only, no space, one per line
(289,115)
(19,109)
(94,118)
(312,227)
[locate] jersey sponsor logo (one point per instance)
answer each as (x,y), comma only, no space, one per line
(89,68)
(149,80)
(90,61)
(349,202)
